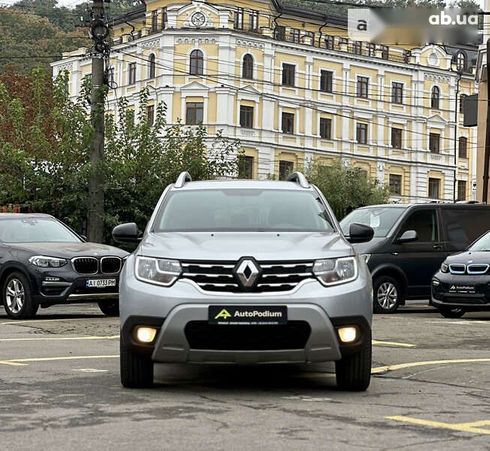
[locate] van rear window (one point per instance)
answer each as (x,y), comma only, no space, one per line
(465,225)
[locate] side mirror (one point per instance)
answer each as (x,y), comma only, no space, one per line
(126,233)
(360,233)
(408,236)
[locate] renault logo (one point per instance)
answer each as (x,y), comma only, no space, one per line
(247,271)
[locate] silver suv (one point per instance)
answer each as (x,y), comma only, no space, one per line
(245,272)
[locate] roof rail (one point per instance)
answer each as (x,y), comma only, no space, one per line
(299,178)
(182,179)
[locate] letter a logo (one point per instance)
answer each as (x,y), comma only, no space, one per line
(224,314)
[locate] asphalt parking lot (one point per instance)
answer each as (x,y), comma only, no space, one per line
(59,388)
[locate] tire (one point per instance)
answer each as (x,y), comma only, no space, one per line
(17,297)
(353,372)
(387,295)
(454,312)
(109,308)
(136,369)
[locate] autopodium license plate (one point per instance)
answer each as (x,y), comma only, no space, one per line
(247,314)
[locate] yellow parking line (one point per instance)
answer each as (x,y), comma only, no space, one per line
(394,344)
(52,359)
(9,362)
(402,366)
(459,427)
(109,337)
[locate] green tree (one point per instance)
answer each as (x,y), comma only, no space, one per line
(29,40)
(44,153)
(346,188)
(143,158)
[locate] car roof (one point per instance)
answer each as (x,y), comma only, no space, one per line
(242,184)
(24,215)
(429,204)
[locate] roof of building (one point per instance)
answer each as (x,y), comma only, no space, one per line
(282,8)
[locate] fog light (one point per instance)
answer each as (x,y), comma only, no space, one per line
(347,334)
(435,282)
(145,334)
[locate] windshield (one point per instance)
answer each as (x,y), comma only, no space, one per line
(34,230)
(381,219)
(482,244)
(248,210)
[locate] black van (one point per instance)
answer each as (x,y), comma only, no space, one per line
(410,243)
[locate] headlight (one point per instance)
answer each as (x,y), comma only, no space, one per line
(157,271)
(444,267)
(334,271)
(47,262)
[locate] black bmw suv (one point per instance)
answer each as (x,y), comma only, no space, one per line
(43,262)
(462,283)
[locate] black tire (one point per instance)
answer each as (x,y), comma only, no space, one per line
(353,372)
(454,312)
(109,308)
(21,307)
(136,369)
(383,302)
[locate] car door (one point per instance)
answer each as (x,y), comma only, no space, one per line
(419,259)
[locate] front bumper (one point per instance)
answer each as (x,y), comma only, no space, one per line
(173,310)
(172,342)
(460,291)
(63,286)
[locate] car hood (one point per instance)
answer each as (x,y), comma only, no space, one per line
(469,257)
(68,250)
(263,246)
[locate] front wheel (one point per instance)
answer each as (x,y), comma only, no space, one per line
(353,372)
(109,308)
(387,294)
(136,369)
(17,297)
(454,312)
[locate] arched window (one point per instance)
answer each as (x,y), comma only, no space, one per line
(434,98)
(248,67)
(151,66)
(463,147)
(196,66)
(461,61)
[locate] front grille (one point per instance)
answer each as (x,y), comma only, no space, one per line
(202,335)
(472,269)
(85,265)
(477,269)
(219,276)
(110,265)
(457,269)
(467,299)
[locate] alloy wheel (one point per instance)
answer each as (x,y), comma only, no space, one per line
(15,296)
(387,295)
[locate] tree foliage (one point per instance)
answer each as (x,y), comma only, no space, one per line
(346,188)
(45,144)
(29,40)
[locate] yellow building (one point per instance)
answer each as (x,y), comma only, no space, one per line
(294,89)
